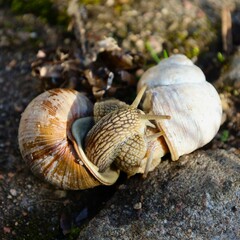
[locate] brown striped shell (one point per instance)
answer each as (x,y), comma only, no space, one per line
(47,144)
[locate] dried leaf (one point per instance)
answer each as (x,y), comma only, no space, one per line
(108,44)
(110,69)
(50,71)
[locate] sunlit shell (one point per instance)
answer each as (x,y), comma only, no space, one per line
(44,138)
(178,88)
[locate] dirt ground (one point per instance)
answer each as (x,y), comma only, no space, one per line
(30,208)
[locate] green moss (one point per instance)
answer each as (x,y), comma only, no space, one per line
(236,92)
(195,51)
(74,233)
(192,51)
(118,9)
(41,8)
(192,40)
(182,36)
(92,2)
(220,57)
(225,136)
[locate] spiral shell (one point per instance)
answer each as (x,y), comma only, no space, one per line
(46,141)
(178,88)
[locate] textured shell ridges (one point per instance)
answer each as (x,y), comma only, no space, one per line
(44,138)
(178,88)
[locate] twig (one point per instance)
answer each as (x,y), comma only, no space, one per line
(75,11)
(227,30)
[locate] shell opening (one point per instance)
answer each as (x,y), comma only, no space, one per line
(79,130)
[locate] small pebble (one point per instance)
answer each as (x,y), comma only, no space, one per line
(6,229)
(11,174)
(9,197)
(122,187)
(13,192)
(137,206)
(60,193)
(112,206)
(18,107)
(24,213)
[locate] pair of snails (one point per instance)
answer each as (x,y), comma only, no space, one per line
(63,144)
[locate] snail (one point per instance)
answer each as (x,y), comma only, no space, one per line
(58,141)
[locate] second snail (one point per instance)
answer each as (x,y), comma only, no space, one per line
(72,144)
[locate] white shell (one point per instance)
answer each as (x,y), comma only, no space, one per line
(178,88)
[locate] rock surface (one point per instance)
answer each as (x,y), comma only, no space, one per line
(197,197)
(181,199)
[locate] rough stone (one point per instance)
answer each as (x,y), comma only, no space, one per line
(157,207)
(197,197)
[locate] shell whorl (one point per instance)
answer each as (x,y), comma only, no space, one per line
(44,142)
(177,69)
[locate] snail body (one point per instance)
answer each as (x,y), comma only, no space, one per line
(109,137)
(119,137)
